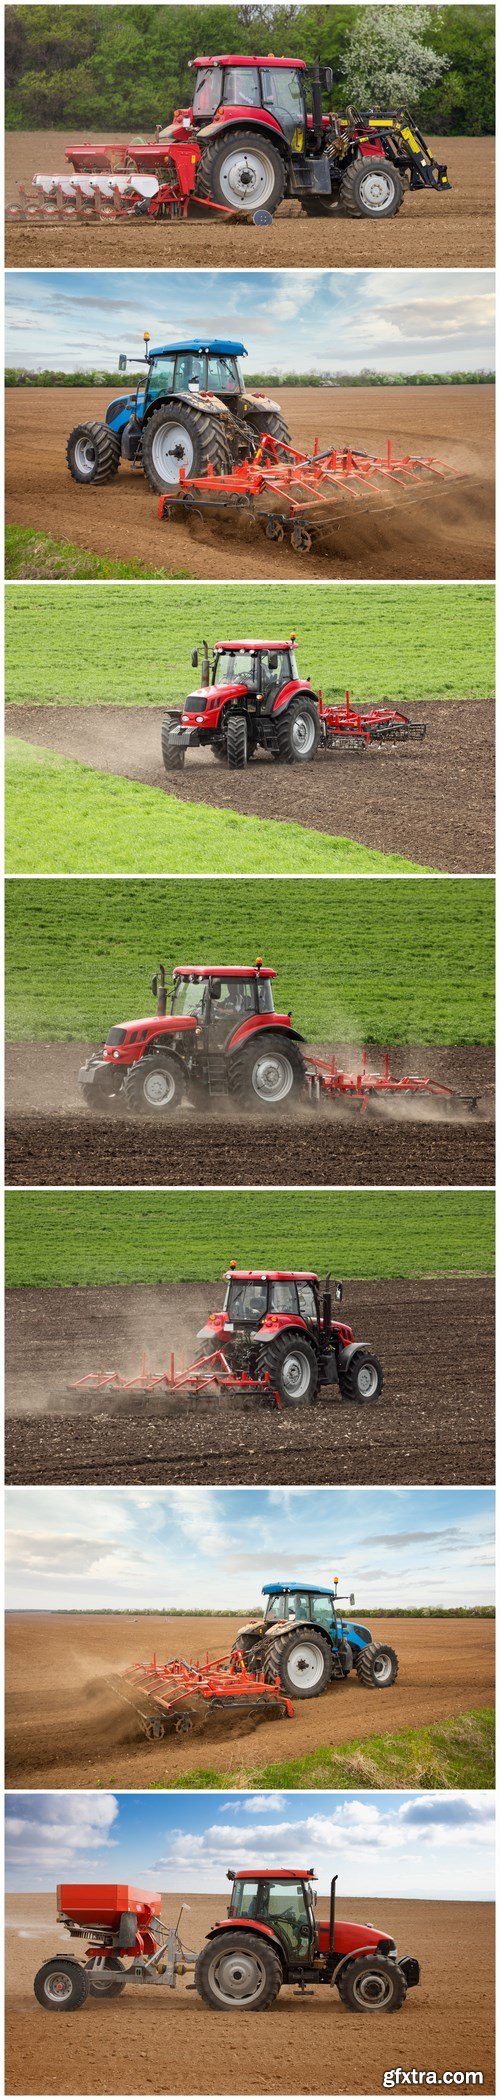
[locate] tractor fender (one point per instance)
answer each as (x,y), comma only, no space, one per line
(265,1024)
(262,1931)
(279,1323)
(205,404)
(293,691)
(374,1946)
(155,1047)
(242,119)
(344,1354)
(357,1636)
(120,412)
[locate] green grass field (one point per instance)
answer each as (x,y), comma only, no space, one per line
(448,1754)
(31,555)
(64,817)
(391,962)
(83,1237)
(419,641)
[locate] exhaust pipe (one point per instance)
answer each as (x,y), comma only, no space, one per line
(205,668)
(317,103)
(327,1310)
(159,991)
(333,1885)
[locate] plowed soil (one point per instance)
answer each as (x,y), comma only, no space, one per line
(444,529)
(67,1726)
(431,232)
(303,2046)
(432,802)
(434,1422)
(51,1140)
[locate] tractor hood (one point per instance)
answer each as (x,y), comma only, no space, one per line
(212,696)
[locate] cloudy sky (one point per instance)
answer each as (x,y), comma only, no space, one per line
(213,1548)
(436,1846)
(405,320)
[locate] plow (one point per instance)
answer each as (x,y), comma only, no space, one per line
(180,1695)
(297,495)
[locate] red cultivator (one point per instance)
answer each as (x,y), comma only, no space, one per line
(182,1694)
(365,1089)
(206,1374)
(285,490)
(342,724)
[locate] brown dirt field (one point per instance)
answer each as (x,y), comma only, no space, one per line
(301,2047)
(72,1730)
(431,1425)
(49,1140)
(431,802)
(445,530)
(431,232)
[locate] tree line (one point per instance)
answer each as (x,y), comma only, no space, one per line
(128,67)
(17,376)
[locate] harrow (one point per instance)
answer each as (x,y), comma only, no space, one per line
(181,1694)
(202,1376)
(365,1089)
(355,727)
(288,491)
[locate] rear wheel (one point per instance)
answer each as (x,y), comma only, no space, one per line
(372,1984)
(238,1972)
(154,1086)
(303,1662)
(244,172)
(103,1980)
(176,436)
(268,424)
(297,732)
(363,1380)
(372,189)
(237,741)
(173,757)
(93,452)
(61,1986)
(377,1666)
(269,1075)
(293,1369)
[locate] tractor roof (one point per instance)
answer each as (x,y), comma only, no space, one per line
(245,970)
(288,644)
(217,344)
(272,1874)
(273,1589)
(236,59)
(272,1275)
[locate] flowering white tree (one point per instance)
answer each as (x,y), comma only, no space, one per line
(385,59)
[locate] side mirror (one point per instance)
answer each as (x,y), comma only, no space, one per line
(215,988)
(328,79)
(194,659)
(352,1599)
(273,661)
(154,986)
(339,1292)
(122,362)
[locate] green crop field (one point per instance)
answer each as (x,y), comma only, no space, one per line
(63,816)
(396,961)
(83,1237)
(133,648)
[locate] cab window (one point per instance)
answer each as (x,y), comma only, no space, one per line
(273,679)
(241,84)
(307,1301)
(189,371)
(282,95)
(322,1610)
(233,668)
(283,1298)
(161,376)
(236,1003)
(223,377)
(282,1905)
(244,1899)
(189,998)
(247,1301)
(265,1003)
(208,91)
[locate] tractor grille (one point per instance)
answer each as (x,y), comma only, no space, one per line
(196,703)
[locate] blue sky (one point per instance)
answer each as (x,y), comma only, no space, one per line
(404,320)
(213,1548)
(436,1846)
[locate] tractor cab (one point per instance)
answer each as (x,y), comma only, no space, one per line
(222,999)
(298,1602)
(268,91)
(197,367)
(253,1294)
(280,1900)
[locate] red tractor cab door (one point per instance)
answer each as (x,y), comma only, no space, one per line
(274,670)
(283,95)
(283,1907)
(230,1002)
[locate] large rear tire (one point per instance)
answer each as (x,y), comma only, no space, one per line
(303,1661)
(377,1666)
(371,189)
(268,1076)
(372,1984)
(297,732)
(173,757)
(268,424)
(176,436)
(61,1986)
(293,1369)
(243,172)
(238,1972)
(154,1086)
(93,453)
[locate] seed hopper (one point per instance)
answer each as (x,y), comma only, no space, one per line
(288,491)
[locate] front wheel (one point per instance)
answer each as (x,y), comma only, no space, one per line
(372,1984)
(297,732)
(93,452)
(377,1666)
(103,1979)
(363,1380)
(103,1093)
(269,1076)
(61,1986)
(173,756)
(238,1972)
(371,189)
(237,742)
(244,172)
(154,1086)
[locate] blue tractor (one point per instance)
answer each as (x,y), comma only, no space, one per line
(192,410)
(303,1640)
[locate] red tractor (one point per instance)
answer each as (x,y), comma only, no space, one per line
(255,132)
(221,1038)
(252,697)
(270,1937)
(280,1322)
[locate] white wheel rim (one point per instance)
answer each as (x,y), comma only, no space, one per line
(272,1078)
(303,732)
(85,457)
(377,191)
(58,1987)
(305,1665)
(247,177)
(373,1992)
(237,1979)
(296,1376)
(367,1381)
(159,1088)
(382,1669)
(171,449)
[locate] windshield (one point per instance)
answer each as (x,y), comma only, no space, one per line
(247,1301)
(207,92)
(223,375)
(288,1604)
(235,667)
(188,997)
